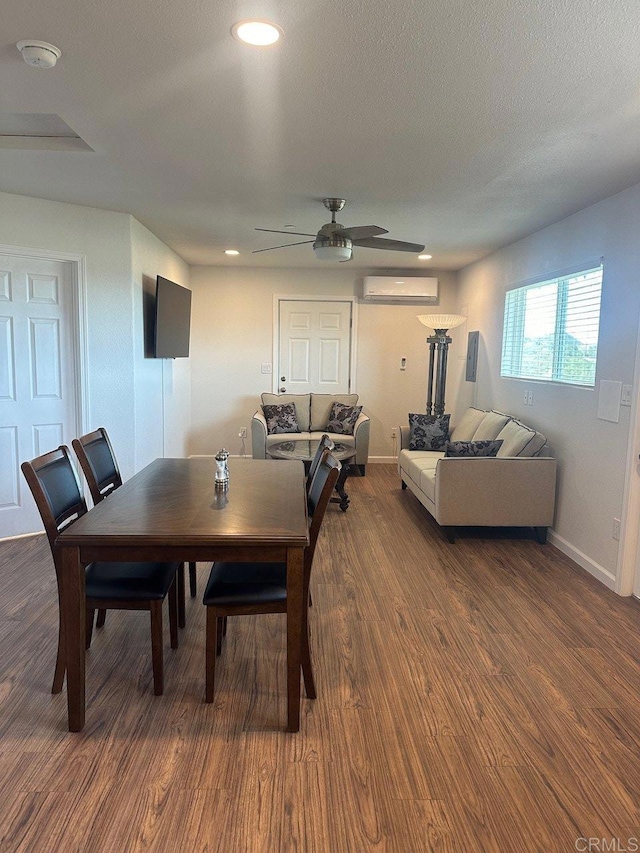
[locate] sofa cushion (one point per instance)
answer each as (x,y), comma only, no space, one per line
(302,403)
(490,426)
(414,462)
(321,408)
(469,423)
(520,440)
(428,432)
(342,419)
(472,449)
(281,418)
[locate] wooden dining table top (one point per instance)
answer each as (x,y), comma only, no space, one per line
(174,501)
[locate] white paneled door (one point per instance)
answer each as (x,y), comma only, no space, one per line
(315,347)
(37,377)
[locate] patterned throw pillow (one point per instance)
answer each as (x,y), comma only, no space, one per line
(342,418)
(428,432)
(281,418)
(470,449)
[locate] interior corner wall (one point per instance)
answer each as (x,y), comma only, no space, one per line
(591,452)
(162,386)
(103,238)
(232,334)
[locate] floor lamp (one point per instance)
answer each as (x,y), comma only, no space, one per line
(438,343)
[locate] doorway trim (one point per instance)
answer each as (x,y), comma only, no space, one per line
(303,297)
(79,319)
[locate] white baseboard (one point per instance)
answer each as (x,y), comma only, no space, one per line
(22,536)
(585,562)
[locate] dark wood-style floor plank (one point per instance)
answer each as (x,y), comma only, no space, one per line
(476,698)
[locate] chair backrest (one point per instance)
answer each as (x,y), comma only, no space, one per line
(98,463)
(324,443)
(56,491)
(320,491)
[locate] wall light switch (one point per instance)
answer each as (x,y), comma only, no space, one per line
(627,391)
(265,367)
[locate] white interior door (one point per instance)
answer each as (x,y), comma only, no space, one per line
(38,406)
(314,347)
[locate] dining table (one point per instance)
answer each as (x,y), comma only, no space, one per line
(171,511)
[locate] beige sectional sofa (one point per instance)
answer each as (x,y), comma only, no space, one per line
(515,489)
(312,411)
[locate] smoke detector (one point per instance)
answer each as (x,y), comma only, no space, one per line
(40,54)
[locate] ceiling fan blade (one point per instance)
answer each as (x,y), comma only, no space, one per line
(394,245)
(293,233)
(286,246)
(359,232)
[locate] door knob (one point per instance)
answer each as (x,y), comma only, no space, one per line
(282,390)
(283,379)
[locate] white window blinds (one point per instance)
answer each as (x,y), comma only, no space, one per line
(551,329)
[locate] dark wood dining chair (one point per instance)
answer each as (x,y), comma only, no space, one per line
(325,443)
(109,586)
(98,462)
(239,589)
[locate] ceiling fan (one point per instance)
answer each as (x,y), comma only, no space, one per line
(334,242)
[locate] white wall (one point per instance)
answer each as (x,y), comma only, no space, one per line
(162,386)
(591,452)
(232,334)
(120,390)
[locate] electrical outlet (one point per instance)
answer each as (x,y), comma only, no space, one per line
(394,432)
(526,398)
(529,398)
(616,528)
(627,391)
(242,433)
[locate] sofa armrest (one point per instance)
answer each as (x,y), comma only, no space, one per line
(361,431)
(259,436)
(404,437)
(495,492)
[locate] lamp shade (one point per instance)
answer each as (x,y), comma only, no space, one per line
(441,321)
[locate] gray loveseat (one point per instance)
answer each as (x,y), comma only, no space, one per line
(312,411)
(515,489)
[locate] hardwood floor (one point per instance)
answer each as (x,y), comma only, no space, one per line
(482,696)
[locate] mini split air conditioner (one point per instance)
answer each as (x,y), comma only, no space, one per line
(400,289)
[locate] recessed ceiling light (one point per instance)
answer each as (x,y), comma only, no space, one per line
(258,33)
(231,252)
(424,257)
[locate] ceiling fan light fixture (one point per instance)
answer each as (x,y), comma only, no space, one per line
(424,257)
(231,252)
(332,253)
(257,33)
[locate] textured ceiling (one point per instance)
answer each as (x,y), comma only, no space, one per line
(459,125)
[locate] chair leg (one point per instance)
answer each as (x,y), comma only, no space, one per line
(182,616)
(58,675)
(219,632)
(155,608)
(89,628)
(173,614)
(102,615)
(192,580)
(210,653)
(305,656)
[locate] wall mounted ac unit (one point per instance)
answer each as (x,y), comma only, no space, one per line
(400,289)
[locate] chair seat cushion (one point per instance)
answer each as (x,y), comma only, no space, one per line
(129,581)
(246,583)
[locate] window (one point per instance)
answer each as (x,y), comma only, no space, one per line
(551,329)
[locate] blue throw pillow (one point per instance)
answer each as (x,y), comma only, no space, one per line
(281,418)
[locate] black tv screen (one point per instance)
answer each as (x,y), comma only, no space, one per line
(173,319)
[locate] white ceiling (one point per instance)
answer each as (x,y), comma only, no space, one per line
(460,125)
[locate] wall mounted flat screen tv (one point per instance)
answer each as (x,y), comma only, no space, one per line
(173,319)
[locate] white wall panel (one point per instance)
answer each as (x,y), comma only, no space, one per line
(46,380)
(9,467)
(7,360)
